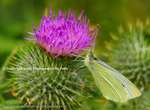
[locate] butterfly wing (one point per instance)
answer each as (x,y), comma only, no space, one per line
(111,83)
(130,88)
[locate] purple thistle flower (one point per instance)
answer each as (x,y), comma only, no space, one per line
(65,34)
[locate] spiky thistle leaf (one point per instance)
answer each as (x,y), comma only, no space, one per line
(44,82)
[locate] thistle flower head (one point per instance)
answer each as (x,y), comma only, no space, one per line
(46,83)
(65,34)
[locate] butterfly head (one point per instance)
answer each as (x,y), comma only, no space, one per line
(90,58)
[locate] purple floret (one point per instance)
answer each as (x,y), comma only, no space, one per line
(65,34)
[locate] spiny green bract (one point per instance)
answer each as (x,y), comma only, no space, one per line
(130,53)
(46,83)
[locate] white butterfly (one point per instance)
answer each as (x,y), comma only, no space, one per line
(113,85)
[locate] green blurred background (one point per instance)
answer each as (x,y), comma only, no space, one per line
(17,17)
